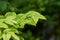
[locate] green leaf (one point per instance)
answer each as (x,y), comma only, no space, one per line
(42,17)
(10,15)
(9,21)
(30,21)
(35,14)
(22,24)
(30,17)
(2,25)
(2,20)
(6,36)
(33,17)
(1,16)
(15,36)
(20,19)
(11,30)
(16,26)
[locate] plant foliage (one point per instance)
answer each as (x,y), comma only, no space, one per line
(11,22)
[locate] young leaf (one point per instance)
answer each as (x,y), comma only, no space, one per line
(35,14)
(22,24)
(2,25)
(20,18)
(30,21)
(33,17)
(6,36)
(16,26)
(10,15)
(9,21)
(15,36)
(2,20)
(11,30)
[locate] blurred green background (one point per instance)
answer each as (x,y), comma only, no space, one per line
(45,30)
